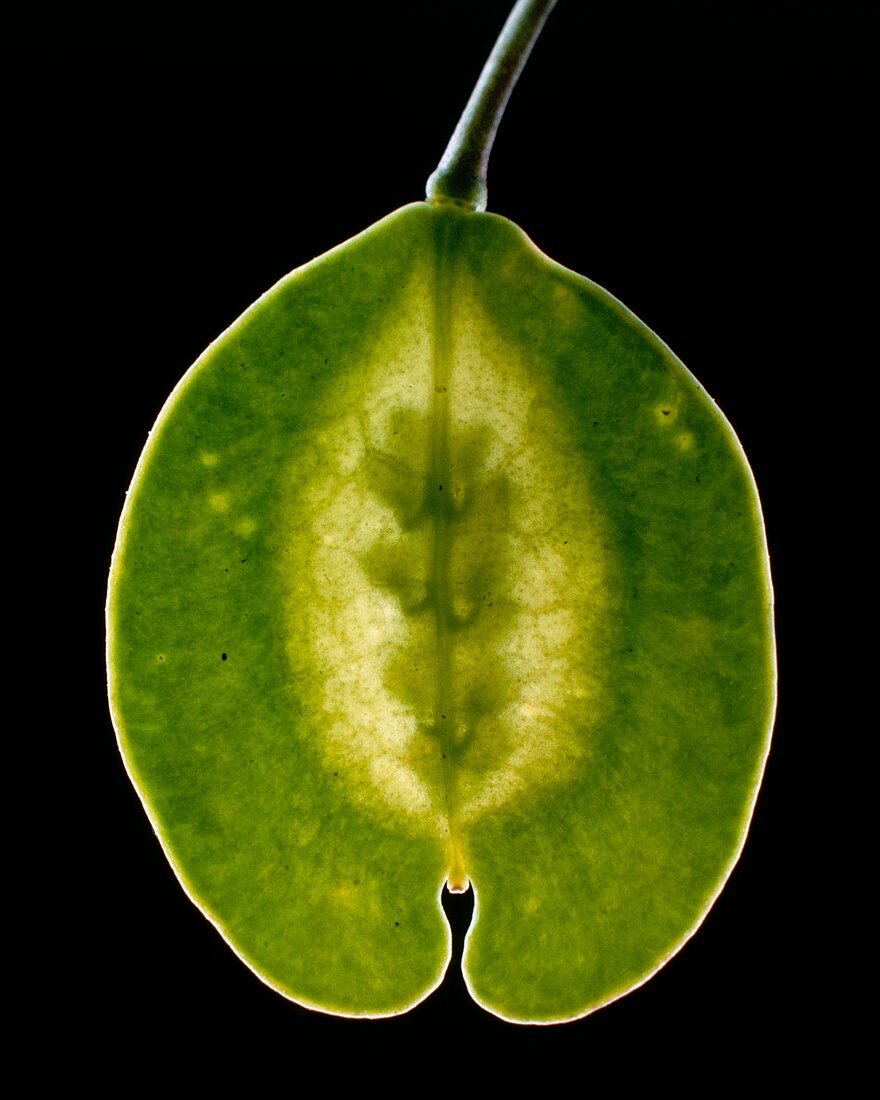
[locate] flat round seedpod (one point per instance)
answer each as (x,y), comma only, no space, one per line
(440,567)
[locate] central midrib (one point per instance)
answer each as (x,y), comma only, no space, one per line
(440,500)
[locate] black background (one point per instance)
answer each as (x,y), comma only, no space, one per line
(705,163)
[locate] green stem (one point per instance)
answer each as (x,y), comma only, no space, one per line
(460,176)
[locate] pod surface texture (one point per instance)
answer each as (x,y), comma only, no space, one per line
(439,566)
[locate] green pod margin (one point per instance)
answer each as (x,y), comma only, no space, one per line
(439,566)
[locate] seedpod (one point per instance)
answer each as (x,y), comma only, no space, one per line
(439,567)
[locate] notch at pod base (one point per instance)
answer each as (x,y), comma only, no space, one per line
(439,566)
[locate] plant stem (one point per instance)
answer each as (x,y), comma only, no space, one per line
(460,176)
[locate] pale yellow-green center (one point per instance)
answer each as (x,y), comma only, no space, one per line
(446,573)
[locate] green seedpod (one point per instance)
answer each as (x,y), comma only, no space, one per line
(440,568)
